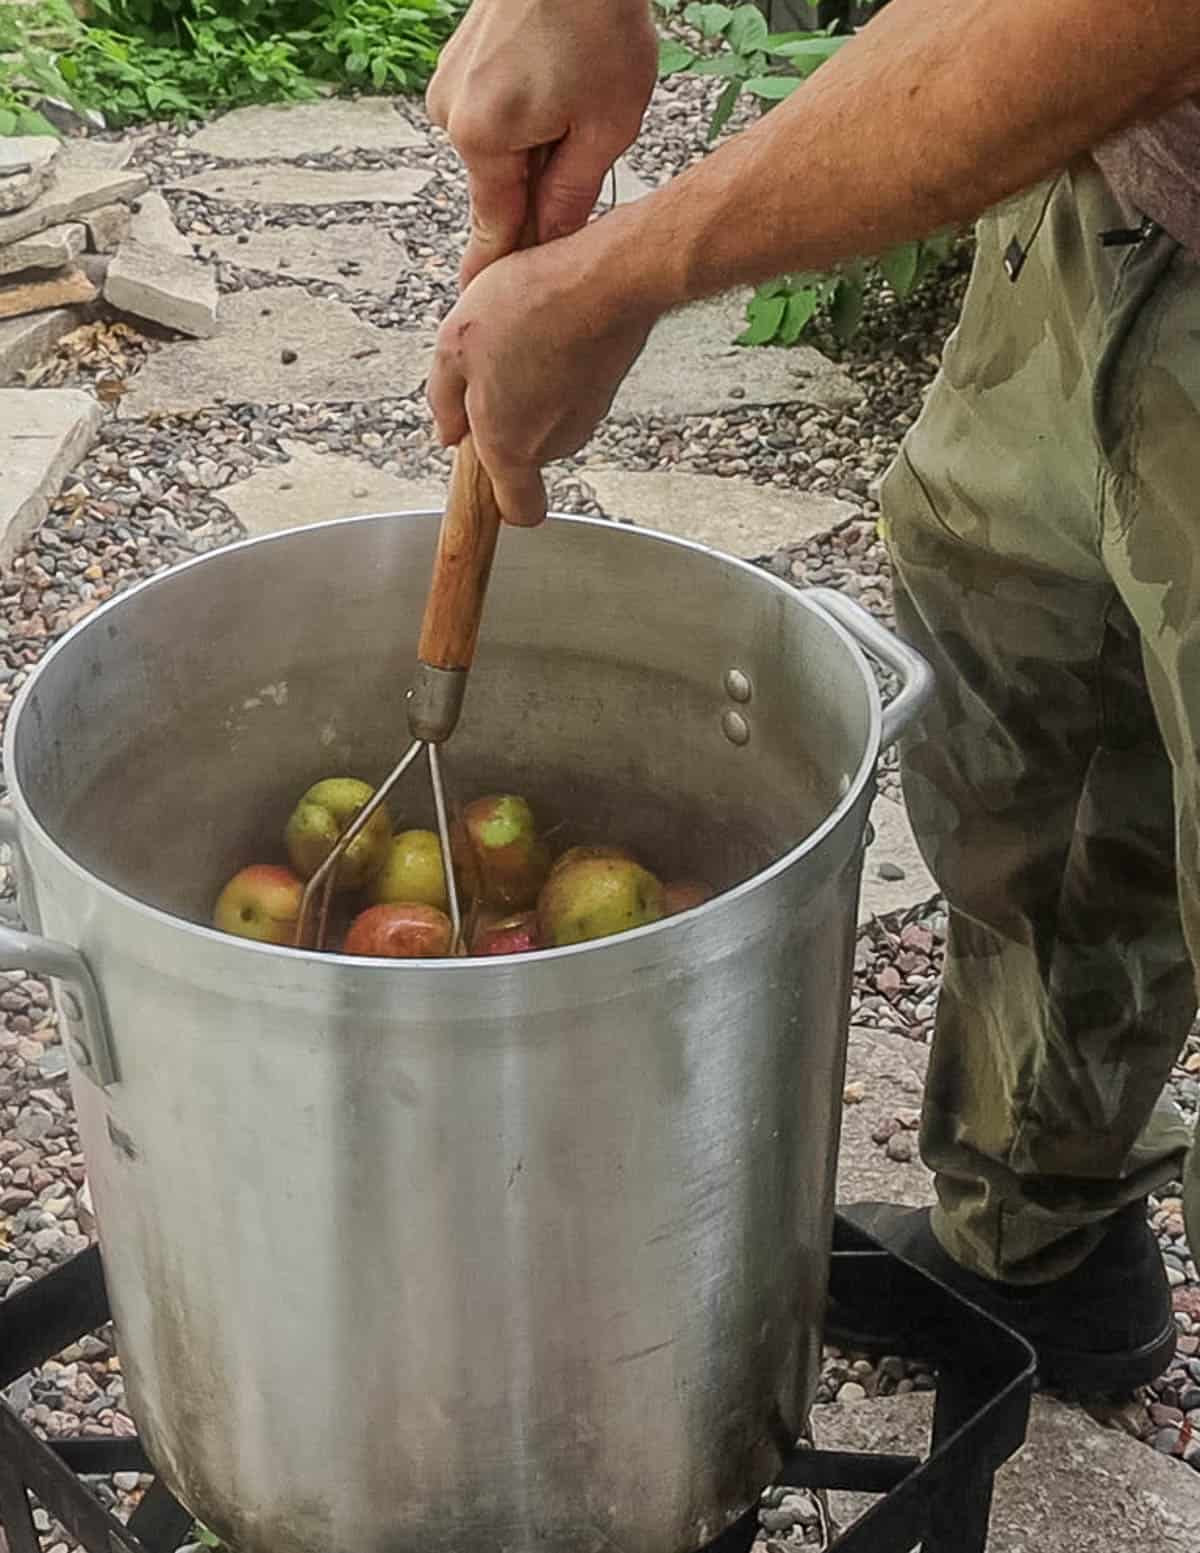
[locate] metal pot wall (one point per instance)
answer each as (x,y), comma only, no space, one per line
(448,1254)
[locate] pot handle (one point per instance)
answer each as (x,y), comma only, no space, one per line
(85,1024)
(916,677)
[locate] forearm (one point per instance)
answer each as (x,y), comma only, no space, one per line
(937,111)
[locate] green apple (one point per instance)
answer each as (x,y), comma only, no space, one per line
(595,896)
(262,902)
(400,930)
(412,871)
(321,816)
(575,854)
(504,862)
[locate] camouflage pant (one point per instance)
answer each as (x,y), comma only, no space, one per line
(1044,523)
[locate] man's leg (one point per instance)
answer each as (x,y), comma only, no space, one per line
(1150,417)
(1038,784)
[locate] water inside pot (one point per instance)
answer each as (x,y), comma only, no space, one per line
(164,746)
(185,803)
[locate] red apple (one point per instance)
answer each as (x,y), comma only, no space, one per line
(404,930)
(685,894)
(503,861)
(262,902)
(517,934)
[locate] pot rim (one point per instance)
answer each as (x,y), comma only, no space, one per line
(545,957)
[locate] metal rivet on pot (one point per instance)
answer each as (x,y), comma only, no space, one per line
(80,1053)
(738,686)
(735,728)
(71,1005)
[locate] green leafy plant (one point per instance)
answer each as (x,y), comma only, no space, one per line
(734,43)
(31,38)
(138,59)
(384,42)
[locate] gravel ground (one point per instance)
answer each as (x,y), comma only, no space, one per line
(149,495)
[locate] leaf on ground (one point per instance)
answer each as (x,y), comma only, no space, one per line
(673,56)
(748,30)
(712,20)
(801,307)
(765,315)
(773,88)
(900,265)
(725,106)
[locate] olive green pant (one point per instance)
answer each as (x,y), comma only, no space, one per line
(1044,523)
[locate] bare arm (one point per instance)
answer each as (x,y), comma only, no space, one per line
(938,110)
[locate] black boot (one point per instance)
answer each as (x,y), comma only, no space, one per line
(1104,1329)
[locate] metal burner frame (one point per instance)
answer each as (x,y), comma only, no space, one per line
(985,1376)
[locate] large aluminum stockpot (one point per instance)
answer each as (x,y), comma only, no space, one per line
(436,1255)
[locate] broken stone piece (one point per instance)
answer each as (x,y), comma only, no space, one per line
(108,227)
(153,226)
(36,296)
(26,168)
(48,250)
(73,192)
(166,288)
(43,435)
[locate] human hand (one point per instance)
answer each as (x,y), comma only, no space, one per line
(530,359)
(521,75)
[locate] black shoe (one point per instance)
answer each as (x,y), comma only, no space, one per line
(1104,1329)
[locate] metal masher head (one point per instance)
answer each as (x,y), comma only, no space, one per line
(318,892)
(461,568)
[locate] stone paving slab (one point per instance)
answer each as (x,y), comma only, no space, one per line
(105,155)
(692,367)
(313,487)
(302,129)
(73,192)
(885,1077)
(43,435)
(1073,1488)
(278,183)
(894,848)
(48,250)
(629,186)
(338,358)
(356,255)
(734,516)
(25,341)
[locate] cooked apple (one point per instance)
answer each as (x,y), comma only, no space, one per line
(576,854)
(685,895)
(321,816)
(497,935)
(412,871)
(262,902)
(401,930)
(595,896)
(505,862)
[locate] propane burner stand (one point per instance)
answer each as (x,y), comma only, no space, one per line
(984,1382)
